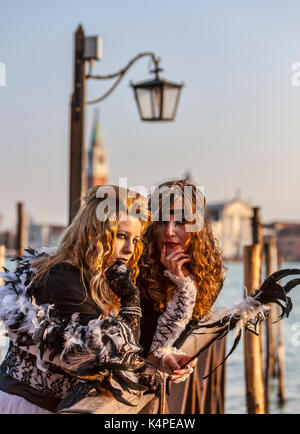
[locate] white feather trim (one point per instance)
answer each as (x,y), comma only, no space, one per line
(247,310)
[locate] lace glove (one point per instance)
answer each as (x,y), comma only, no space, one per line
(178,313)
(119,279)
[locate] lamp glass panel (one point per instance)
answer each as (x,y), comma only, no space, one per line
(145,104)
(170,98)
(156,101)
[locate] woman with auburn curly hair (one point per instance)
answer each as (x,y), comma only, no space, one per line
(65,342)
(181,274)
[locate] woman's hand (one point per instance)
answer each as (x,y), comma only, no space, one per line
(119,280)
(174,261)
(174,362)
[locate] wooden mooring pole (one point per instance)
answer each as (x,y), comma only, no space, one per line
(20,229)
(255,391)
(2,264)
(255,394)
(271,347)
(256,226)
(77,152)
(2,261)
(280,359)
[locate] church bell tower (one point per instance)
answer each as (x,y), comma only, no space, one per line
(97,170)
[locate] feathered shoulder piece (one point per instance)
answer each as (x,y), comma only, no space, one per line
(39,325)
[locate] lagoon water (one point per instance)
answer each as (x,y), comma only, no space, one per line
(235,401)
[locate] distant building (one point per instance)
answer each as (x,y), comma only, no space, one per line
(54,235)
(288,239)
(231,225)
(44,235)
(37,235)
(8,239)
(97,167)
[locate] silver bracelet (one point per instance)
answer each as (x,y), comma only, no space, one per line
(131,310)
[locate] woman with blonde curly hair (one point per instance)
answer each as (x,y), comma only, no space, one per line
(73,316)
(181,274)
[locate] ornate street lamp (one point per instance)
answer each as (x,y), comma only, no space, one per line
(157,99)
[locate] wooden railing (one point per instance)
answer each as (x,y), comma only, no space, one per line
(193,396)
(147,404)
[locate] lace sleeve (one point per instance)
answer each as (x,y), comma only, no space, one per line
(131,313)
(178,313)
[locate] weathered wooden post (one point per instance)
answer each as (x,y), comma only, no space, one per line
(163,405)
(280,359)
(271,266)
(256,226)
(255,395)
(77,153)
(2,264)
(2,261)
(257,238)
(20,229)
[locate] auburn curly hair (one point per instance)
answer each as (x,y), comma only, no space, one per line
(205,263)
(89,241)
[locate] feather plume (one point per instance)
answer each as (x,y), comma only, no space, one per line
(250,312)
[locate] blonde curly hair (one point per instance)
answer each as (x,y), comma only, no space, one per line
(89,243)
(205,263)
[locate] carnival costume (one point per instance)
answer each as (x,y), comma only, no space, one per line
(61,347)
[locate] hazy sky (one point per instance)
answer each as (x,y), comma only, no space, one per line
(238,121)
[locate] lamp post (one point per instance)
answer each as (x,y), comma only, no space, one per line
(77,151)
(157,100)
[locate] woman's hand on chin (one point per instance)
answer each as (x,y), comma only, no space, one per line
(174,261)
